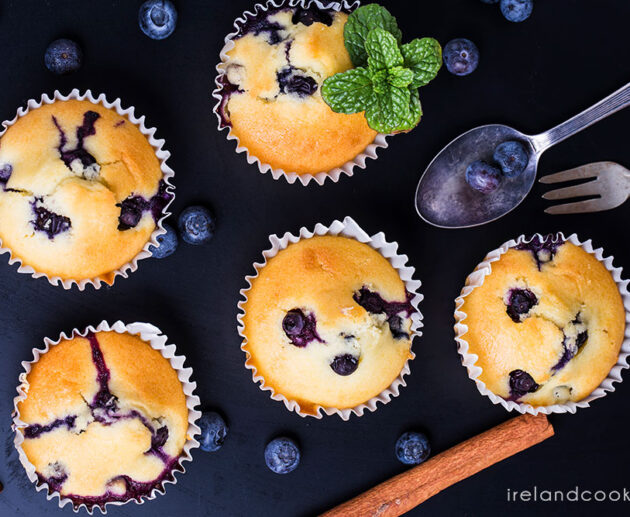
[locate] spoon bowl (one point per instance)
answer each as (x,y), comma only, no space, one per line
(444,198)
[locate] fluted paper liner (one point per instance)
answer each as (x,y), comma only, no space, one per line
(346,169)
(346,228)
(158,341)
(167,172)
(469,360)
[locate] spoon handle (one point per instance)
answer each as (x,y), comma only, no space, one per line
(611,104)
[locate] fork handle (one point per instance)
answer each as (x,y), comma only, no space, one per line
(611,104)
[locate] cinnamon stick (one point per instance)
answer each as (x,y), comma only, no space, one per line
(407,490)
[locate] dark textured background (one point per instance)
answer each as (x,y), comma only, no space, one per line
(532,75)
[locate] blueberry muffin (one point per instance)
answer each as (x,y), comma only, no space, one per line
(81,190)
(328,323)
(547,323)
(271,90)
(105,418)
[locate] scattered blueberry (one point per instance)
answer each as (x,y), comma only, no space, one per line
(412,448)
(517,10)
(196,225)
(483,177)
(213,431)
(344,364)
(512,157)
(282,455)
(63,56)
(157,18)
(461,56)
(167,243)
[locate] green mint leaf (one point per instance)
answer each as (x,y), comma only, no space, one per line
(415,112)
(360,23)
(382,50)
(424,57)
(389,111)
(380,81)
(348,92)
(399,76)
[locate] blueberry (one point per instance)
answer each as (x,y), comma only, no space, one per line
(291,81)
(396,327)
(63,56)
(167,243)
(512,157)
(47,221)
(519,303)
(300,328)
(310,15)
(196,225)
(461,56)
(157,18)
(521,383)
(293,323)
(213,431)
(5,172)
(517,10)
(282,455)
(344,364)
(412,448)
(483,177)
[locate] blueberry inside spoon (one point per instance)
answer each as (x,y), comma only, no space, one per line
(444,199)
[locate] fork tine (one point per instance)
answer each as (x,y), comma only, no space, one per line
(590,188)
(585,171)
(590,205)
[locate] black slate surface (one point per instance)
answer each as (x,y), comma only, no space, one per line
(532,75)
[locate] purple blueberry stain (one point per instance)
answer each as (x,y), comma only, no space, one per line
(48,222)
(543,249)
(227,90)
(519,302)
(260,24)
(300,328)
(36,430)
(69,156)
(344,364)
(575,336)
(521,383)
(374,303)
(133,208)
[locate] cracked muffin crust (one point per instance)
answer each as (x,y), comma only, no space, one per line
(271,91)
(547,324)
(81,190)
(328,323)
(105,418)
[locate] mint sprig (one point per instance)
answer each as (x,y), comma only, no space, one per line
(387,76)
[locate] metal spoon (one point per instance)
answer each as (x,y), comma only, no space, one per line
(444,199)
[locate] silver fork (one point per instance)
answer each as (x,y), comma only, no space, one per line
(610,182)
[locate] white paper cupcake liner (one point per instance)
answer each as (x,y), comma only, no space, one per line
(346,228)
(160,152)
(153,336)
(469,360)
(346,169)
